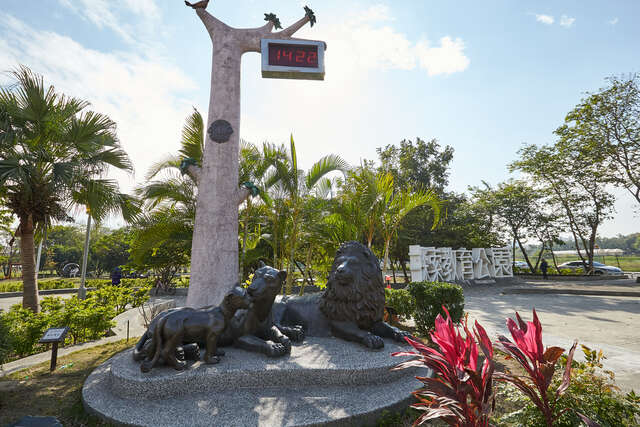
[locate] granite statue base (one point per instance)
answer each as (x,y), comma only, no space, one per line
(325,381)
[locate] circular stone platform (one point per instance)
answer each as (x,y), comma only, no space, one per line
(325,381)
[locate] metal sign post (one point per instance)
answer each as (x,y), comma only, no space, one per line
(54,336)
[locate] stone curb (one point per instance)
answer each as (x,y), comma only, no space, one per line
(44,292)
(571,292)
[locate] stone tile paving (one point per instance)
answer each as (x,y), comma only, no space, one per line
(600,322)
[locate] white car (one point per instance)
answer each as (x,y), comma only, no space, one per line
(520,264)
(598,268)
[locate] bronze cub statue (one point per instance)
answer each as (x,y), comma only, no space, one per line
(253,329)
(190,325)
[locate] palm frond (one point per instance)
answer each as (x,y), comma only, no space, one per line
(192,142)
(326,164)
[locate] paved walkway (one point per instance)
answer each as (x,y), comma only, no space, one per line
(131,317)
(599,322)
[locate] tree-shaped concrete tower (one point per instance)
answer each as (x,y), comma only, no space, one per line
(214,256)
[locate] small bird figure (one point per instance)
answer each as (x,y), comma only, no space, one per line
(271,17)
(309,14)
(199,5)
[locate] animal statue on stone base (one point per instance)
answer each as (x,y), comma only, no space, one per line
(351,307)
(190,325)
(253,329)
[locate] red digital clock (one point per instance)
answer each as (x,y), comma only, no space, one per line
(293,55)
(293,59)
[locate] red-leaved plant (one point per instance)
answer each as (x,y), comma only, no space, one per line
(461,394)
(538,363)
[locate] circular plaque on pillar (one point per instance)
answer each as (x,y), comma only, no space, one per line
(220,131)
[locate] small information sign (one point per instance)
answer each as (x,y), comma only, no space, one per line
(54,336)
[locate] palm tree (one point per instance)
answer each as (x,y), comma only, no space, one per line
(101,198)
(396,204)
(170,194)
(169,197)
(52,148)
(296,185)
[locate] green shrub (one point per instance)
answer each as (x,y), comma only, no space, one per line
(87,319)
(591,392)
(401,301)
(6,338)
(429,298)
(26,328)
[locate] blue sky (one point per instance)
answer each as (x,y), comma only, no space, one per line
(483,77)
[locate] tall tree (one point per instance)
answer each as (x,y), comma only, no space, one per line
(297,185)
(397,203)
(421,164)
(607,123)
(575,180)
(52,148)
(515,204)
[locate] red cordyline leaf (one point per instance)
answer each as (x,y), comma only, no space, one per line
(540,364)
(462,393)
(566,378)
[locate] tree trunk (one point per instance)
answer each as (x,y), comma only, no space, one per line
(28,260)
(404,271)
(244,240)
(393,272)
(292,253)
(387,241)
(524,253)
(82,290)
(214,253)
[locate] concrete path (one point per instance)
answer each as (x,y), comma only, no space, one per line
(599,322)
(136,329)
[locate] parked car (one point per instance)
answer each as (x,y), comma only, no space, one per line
(520,264)
(598,268)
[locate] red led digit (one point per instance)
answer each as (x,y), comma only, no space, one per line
(300,56)
(312,58)
(288,54)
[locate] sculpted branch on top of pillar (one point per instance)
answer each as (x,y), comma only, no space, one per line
(248,39)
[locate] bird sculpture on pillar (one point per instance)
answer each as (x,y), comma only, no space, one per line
(199,5)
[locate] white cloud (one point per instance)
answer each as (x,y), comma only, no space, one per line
(354,102)
(143,95)
(111,14)
(446,59)
(545,19)
(364,42)
(614,21)
(567,21)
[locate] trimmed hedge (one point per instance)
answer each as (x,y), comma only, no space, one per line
(89,319)
(429,297)
(401,301)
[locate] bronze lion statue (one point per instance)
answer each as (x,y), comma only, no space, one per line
(351,307)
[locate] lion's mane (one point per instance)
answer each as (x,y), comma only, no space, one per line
(362,301)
